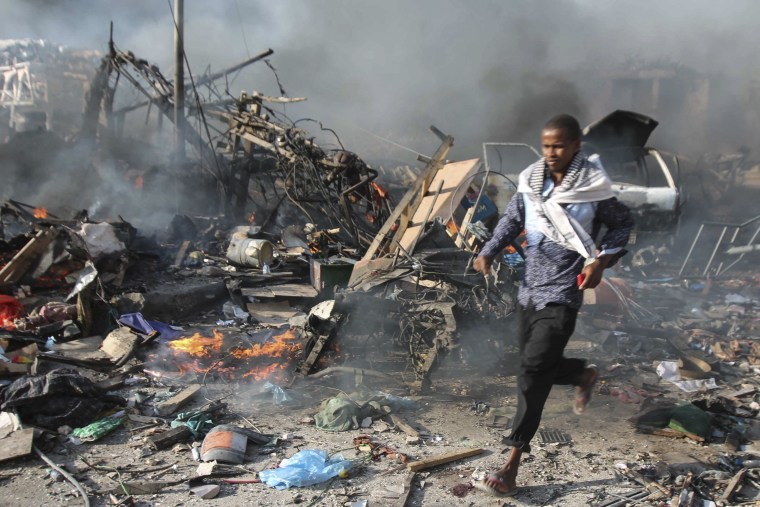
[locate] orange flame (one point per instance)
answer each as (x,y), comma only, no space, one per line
(40,213)
(197,345)
(276,353)
(278,350)
(264,372)
(278,347)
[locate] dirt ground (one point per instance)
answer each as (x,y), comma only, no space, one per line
(579,473)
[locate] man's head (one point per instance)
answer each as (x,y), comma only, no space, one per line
(560,141)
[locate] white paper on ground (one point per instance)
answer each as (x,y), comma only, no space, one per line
(692,386)
(668,370)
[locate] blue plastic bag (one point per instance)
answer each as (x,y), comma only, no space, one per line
(305,468)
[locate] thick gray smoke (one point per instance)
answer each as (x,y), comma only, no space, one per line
(486,70)
(397,66)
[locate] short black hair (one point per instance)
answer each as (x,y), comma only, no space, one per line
(567,123)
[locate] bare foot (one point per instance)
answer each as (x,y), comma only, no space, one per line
(584,389)
(497,485)
(503,482)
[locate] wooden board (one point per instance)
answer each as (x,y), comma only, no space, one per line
(423,464)
(407,489)
(170,437)
(287,290)
(452,177)
(82,348)
(25,259)
(272,314)
(169,406)
(14,369)
(403,426)
(733,485)
(396,224)
(17,444)
(120,343)
(181,253)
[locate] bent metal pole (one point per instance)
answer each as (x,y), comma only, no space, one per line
(179,83)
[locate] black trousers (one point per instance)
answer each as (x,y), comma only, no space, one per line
(543,336)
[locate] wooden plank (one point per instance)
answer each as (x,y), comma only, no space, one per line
(407,489)
(452,178)
(669,432)
(272,314)
(14,369)
(733,395)
(424,464)
(463,233)
(25,259)
(181,253)
(120,342)
(169,406)
(410,201)
(287,290)
(403,426)
(17,444)
(170,437)
(733,485)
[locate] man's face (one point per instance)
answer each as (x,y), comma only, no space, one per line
(558,150)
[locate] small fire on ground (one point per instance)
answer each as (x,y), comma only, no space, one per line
(40,213)
(215,354)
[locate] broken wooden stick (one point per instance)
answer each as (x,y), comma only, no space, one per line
(24,260)
(181,253)
(649,484)
(169,406)
(424,464)
(170,437)
(733,485)
(407,489)
(403,426)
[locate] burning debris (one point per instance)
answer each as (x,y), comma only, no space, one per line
(260,356)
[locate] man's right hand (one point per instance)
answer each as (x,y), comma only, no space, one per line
(483,264)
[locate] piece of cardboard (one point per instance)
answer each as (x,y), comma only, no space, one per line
(17,444)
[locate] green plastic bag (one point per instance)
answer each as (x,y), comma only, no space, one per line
(99,429)
(689,418)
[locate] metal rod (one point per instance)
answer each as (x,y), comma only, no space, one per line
(742,250)
(730,242)
(693,244)
(179,83)
(213,77)
(715,250)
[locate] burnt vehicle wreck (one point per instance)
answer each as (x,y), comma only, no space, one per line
(644,178)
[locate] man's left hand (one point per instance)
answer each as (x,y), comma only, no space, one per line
(593,272)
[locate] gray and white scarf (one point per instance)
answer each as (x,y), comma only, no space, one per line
(585,181)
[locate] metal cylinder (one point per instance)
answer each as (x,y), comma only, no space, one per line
(224,445)
(250,252)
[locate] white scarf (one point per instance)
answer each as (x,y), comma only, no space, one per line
(585,181)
